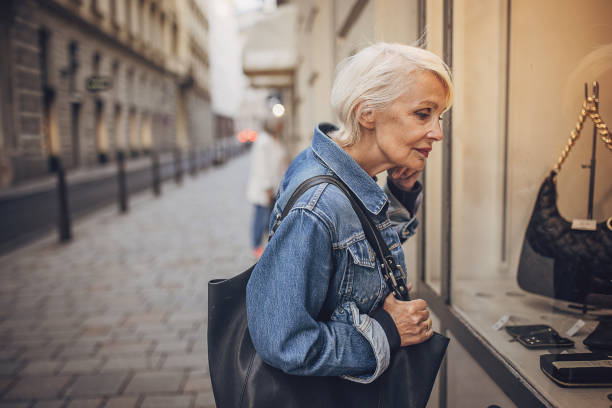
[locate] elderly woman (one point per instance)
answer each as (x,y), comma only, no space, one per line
(389,99)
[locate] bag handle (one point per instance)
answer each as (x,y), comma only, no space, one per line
(590,107)
(394,281)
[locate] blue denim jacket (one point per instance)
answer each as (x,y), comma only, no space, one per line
(312,295)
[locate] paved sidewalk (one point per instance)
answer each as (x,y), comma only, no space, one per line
(117,317)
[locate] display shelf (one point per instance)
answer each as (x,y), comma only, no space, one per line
(481,303)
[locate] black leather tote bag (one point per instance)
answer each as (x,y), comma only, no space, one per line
(241,379)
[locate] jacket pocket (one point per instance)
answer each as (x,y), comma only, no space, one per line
(363,282)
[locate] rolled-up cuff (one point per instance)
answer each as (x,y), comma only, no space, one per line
(375,335)
(386,322)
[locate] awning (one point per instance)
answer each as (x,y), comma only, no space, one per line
(269,56)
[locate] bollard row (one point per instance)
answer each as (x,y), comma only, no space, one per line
(191,162)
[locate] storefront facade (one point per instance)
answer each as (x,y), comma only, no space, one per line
(519,69)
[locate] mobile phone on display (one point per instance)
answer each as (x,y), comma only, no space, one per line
(536,336)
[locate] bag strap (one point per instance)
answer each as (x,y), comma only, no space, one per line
(590,108)
(395,282)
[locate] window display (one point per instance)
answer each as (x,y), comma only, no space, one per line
(530,249)
(570,260)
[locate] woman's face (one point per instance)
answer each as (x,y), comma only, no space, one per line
(406,130)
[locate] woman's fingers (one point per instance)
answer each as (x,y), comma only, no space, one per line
(411,319)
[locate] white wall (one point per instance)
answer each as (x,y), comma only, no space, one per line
(227,79)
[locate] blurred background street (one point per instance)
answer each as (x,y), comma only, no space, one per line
(117,317)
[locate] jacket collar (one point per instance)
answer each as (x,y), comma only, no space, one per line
(347,169)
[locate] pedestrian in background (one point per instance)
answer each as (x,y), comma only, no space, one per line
(268,164)
(389,99)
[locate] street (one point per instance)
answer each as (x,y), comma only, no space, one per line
(117,317)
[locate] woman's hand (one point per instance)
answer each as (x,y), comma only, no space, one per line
(411,319)
(404,177)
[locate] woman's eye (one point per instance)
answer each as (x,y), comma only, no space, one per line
(423,114)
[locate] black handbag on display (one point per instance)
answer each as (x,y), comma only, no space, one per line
(241,379)
(558,260)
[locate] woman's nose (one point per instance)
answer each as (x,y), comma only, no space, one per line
(436,131)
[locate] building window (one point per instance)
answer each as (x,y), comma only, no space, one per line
(162,32)
(141,20)
(73,63)
(175,39)
(113,12)
(152,34)
(95,63)
(43,47)
(128,18)
(50,131)
(130,85)
(96,10)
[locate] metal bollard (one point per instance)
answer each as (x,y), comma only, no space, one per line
(156,176)
(65,233)
(122,183)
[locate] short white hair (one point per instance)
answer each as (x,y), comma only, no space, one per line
(375,77)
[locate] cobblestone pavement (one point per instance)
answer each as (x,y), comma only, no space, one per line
(117,317)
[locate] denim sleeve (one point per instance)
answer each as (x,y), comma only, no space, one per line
(285,294)
(403,219)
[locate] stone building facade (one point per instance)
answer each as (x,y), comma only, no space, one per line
(83,80)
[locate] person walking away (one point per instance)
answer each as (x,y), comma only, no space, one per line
(268,164)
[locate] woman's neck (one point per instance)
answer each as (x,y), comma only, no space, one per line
(367,154)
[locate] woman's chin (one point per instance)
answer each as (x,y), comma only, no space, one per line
(416,164)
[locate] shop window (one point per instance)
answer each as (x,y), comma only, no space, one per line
(101,133)
(51,137)
(146,136)
(519,89)
(133,139)
(120,143)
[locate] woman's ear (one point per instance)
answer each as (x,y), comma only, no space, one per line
(367,119)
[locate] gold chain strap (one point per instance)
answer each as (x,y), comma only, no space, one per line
(590,108)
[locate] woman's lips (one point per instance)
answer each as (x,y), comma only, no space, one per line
(424,152)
